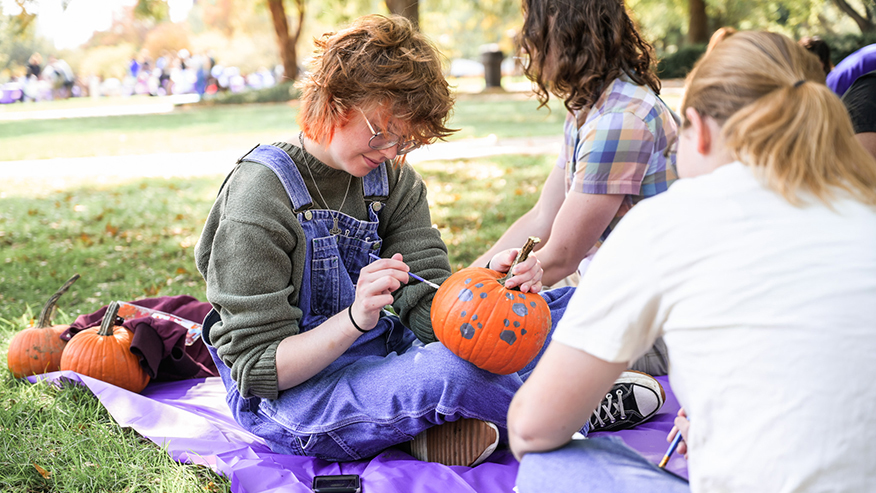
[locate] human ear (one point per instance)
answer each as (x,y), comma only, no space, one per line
(700,131)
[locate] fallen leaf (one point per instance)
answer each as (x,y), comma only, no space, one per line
(45,474)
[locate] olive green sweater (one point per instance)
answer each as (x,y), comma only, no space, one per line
(252,251)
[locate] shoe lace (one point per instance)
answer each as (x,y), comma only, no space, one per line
(606,407)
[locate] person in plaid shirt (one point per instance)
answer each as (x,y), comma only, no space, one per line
(616,152)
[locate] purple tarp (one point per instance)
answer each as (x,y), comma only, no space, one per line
(190,418)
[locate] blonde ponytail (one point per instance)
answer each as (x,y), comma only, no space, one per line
(780,119)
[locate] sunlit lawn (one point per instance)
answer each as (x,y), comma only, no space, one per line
(134,238)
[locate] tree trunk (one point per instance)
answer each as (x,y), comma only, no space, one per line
(406,8)
(698,22)
(864,22)
(286,41)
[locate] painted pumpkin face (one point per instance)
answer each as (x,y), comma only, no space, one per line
(497,329)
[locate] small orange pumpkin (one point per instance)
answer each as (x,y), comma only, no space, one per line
(105,353)
(38,349)
(497,329)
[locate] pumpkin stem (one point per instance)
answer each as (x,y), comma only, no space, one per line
(521,256)
(109,319)
(48,312)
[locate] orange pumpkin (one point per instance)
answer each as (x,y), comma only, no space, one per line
(105,353)
(497,329)
(38,349)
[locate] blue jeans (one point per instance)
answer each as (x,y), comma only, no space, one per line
(602,464)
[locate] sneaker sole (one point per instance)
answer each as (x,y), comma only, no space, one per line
(643,380)
(465,442)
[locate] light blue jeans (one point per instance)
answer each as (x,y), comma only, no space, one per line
(602,464)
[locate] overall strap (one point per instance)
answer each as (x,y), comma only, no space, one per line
(375,184)
(282,165)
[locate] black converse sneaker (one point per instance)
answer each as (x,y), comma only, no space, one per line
(634,398)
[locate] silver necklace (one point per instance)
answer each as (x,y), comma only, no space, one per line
(335,229)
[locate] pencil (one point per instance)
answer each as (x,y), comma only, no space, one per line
(670,450)
(430,283)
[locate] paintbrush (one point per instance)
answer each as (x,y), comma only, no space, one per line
(670,450)
(430,283)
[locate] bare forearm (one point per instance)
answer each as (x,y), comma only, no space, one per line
(301,356)
(516,235)
(558,398)
(558,262)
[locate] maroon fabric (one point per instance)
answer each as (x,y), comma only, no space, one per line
(161,344)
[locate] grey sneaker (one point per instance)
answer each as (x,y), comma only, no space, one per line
(465,442)
(634,398)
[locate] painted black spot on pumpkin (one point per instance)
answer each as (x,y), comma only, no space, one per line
(507,323)
(466,331)
(508,336)
(465,294)
(532,304)
(522,296)
(474,317)
(483,295)
(462,314)
(520,309)
(480,326)
(523,332)
(516,323)
(479,285)
(509,296)
(468,280)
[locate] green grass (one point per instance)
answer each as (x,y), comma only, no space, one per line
(186,129)
(74,103)
(60,438)
(134,239)
(191,128)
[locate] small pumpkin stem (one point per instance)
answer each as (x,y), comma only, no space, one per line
(521,256)
(109,319)
(48,312)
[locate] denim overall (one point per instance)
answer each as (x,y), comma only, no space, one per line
(387,387)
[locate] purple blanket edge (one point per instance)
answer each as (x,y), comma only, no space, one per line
(190,418)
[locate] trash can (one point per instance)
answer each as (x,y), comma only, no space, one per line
(491,57)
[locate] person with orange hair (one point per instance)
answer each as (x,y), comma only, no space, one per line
(758,269)
(311,360)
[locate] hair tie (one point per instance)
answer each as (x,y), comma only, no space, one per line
(350,313)
(799,83)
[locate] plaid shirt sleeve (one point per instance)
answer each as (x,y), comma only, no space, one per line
(612,155)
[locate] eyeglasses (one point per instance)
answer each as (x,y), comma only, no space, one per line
(384,140)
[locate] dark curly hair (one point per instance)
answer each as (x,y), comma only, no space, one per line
(577,47)
(376,61)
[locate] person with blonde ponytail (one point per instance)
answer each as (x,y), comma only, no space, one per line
(758,268)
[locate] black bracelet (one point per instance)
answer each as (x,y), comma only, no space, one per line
(350,313)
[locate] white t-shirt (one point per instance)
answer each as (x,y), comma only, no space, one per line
(769,314)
